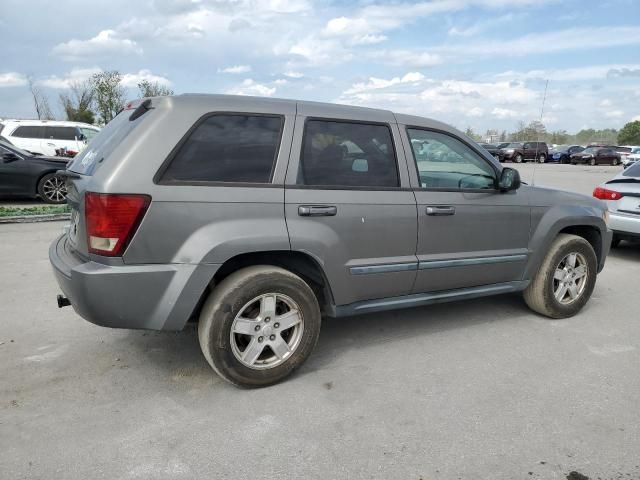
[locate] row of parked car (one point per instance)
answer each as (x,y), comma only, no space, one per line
(593,154)
(33,151)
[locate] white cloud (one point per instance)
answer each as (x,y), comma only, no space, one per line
(74,76)
(407,58)
(12,79)
(292,74)
(107,42)
(281,81)
(605,103)
(236,69)
(614,114)
(636,118)
(583,38)
(503,113)
(381,83)
(250,87)
(131,80)
(588,72)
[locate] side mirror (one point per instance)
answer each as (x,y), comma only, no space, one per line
(10,157)
(509,180)
(82,137)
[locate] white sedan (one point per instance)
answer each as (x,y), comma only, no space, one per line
(622,194)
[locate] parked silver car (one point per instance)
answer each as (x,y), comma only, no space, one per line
(256,217)
(622,194)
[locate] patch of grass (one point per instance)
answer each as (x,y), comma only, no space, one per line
(35,210)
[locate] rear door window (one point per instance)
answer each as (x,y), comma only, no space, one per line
(29,131)
(346,154)
(60,133)
(229,148)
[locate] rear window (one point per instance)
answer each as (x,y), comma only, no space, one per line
(231,148)
(104,143)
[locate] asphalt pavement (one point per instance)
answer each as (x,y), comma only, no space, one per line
(482,389)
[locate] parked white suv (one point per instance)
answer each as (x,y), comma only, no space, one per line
(46,136)
(633,156)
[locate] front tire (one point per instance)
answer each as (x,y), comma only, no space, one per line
(52,189)
(258,325)
(565,280)
(542,158)
(592,161)
(517,158)
(614,162)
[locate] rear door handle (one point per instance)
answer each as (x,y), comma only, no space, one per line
(317,210)
(438,210)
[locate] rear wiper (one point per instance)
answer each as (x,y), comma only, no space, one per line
(68,174)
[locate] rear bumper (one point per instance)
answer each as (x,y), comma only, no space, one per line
(622,223)
(155,297)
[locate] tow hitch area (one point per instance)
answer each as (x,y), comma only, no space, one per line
(63,301)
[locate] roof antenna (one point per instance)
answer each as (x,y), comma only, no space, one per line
(535,165)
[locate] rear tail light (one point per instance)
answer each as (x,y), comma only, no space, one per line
(112,220)
(604,194)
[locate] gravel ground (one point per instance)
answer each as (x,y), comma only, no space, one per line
(471,390)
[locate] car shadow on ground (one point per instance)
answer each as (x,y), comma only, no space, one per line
(177,354)
(629,251)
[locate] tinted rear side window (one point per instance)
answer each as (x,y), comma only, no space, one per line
(29,132)
(344,154)
(231,148)
(60,133)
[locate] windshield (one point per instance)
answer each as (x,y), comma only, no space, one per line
(635,150)
(632,171)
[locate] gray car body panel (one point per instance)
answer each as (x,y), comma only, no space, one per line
(380,251)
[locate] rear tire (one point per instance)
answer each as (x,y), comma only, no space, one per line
(614,162)
(542,158)
(592,161)
(517,158)
(547,295)
(254,301)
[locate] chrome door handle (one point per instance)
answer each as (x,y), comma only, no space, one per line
(317,210)
(438,210)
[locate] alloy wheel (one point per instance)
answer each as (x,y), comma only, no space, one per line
(570,278)
(266,331)
(55,189)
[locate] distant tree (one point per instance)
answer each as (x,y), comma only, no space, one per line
(109,94)
(630,134)
(470,133)
(77,102)
(558,137)
(40,102)
(503,136)
(153,89)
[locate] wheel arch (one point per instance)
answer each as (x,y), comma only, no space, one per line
(300,263)
(40,176)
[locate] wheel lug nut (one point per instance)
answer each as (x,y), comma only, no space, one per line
(276,325)
(260,339)
(268,319)
(257,328)
(272,337)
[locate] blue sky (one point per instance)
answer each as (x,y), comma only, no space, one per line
(478,63)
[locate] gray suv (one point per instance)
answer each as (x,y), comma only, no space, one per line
(257,217)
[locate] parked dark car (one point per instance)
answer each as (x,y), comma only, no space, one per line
(518,152)
(26,175)
(492,149)
(562,153)
(596,156)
